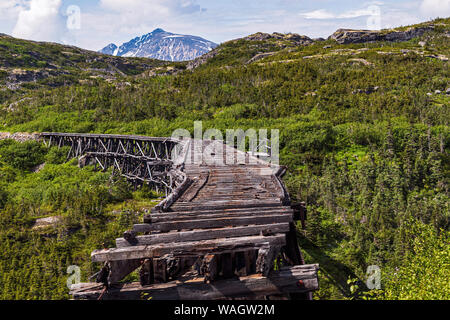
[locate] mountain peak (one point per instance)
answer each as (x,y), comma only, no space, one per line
(109,49)
(162,45)
(158,30)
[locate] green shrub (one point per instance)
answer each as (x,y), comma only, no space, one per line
(23,156)
(57,155)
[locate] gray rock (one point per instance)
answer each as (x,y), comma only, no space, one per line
(345,36)
(438,92)
(202,59)
(47,222)
(260,56)
(369,90)
(437,56)
(295,38)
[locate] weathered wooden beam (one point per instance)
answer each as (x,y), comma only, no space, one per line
(168,201)
(160,270)
(202,234)
(215,211)
(195,188)
(300,213)
(212,223)
(292,251)
(179,216)
(186,248)
(266,257)
(296,279)
(225,204)
(146,276)
(209,267)
(144,159)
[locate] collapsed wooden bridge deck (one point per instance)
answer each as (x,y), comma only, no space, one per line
(226,224)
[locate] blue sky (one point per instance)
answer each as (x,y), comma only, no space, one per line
(92,24)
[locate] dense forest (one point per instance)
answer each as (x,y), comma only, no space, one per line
(364,131)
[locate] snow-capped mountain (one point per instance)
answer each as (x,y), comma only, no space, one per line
(109,49)
(162,45)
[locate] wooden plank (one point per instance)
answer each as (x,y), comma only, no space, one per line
(212,223)
(186,215)
(296,279)
(197,235)
(195,188)
(186,248)
(150,219)
(173,197)
(225,204)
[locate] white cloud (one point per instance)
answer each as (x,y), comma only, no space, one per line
(318,14)
(435,8)
(40,21)
(152,9)
(119,20)
(10,5)
(324,14)
(9,9)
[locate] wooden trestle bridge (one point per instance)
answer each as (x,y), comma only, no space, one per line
(225,229)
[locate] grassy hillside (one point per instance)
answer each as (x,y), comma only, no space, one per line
(364,132)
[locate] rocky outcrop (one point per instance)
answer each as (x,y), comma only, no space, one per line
(260,56)
(47,222)
(362,61)
(345,36)
(16,77)
(202,59)
(20,136)
(292,37)
(20,75)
